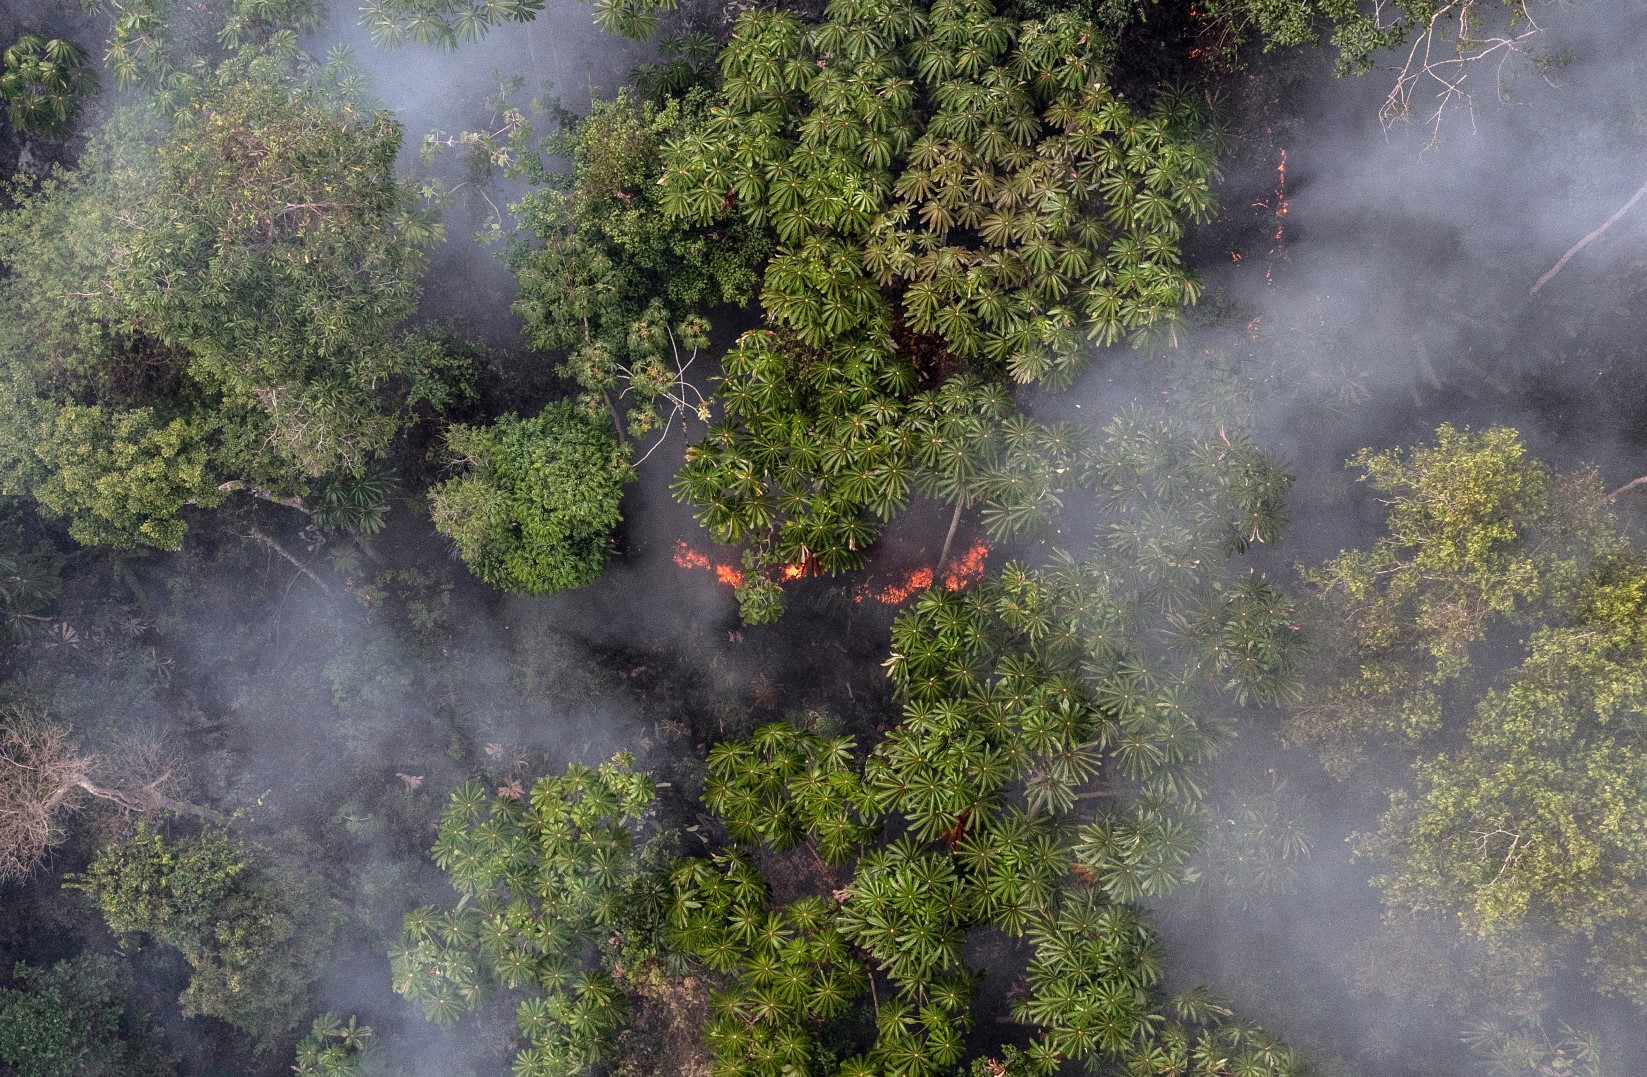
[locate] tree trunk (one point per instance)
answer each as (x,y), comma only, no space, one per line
(283,552)
(145,800)
(943,556)
(293,502)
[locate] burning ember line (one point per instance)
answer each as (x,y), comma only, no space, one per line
(961,572)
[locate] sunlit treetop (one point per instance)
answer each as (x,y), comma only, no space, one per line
(970,176)
(446,23)
(216,295)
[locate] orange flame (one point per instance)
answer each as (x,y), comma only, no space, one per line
(959,573)
(964,571)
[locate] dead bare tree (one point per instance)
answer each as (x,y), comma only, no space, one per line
(1459,39)
(45,777)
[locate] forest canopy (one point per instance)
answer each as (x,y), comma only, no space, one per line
(855,580)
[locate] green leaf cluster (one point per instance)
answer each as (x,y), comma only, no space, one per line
(979,170)
(253,937)
(73,1019)
(613,284)
(334,1048)
(537,500)
(785,785)
(794,972)
(1479,534)
(446,23)
(44,82)
(214,297)
(949,191)
(546,879)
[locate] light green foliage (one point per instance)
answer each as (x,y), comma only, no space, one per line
(445,23)
(1530,826)
(794,971)
(335,1049)
(547,880)
(614,283)
(72,1020)
(949,191)
(119,476)
(1521,822)
(254,939)
(980,167)
(1479,533)
(784,785)
(44,83)
(537,500)
(214,296)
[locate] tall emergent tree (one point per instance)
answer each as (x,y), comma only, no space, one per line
(1521,820)
(949,191)
(211,302)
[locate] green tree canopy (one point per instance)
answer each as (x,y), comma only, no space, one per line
(612,283)
(254,937)
(949,191)
(538,498)
(1520,821)
(213,297)
(553,884)
(74,1019)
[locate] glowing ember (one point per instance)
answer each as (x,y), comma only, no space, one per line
(687,557)
(959,573)
(964,571)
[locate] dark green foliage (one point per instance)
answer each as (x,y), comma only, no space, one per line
(547,877)
(358,503)
(1519,1048)
(537,500)
(44,83)
(1258,845)
(254,938)
(614,284)
(335,1049)
(73,1019)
